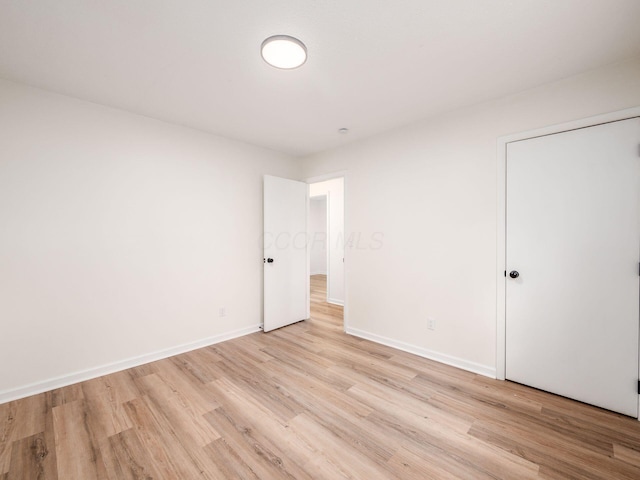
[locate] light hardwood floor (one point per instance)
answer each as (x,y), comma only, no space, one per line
(309,402)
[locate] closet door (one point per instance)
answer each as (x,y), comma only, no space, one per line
(573,247)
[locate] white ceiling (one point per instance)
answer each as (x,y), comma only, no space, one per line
(373,65)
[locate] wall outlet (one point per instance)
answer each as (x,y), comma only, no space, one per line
(222,312)
(431,323)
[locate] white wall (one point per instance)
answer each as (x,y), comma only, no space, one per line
(428,192)
(318,234)
(120,236)
(334,190)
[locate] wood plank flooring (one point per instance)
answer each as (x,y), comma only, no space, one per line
(309,402)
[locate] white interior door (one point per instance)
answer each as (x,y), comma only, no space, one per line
(286,279)
(573,235)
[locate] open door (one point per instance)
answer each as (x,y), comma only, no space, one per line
(286,279)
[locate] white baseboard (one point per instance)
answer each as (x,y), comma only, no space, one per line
(426,353)
(81,376)
(335,301)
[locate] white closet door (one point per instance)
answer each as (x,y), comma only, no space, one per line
(573,236)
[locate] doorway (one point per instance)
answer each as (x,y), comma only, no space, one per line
(326,250)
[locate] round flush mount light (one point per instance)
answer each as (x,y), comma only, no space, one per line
(283,51)
(343,131)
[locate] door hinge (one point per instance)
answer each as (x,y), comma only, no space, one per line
(505,273)
(638,387)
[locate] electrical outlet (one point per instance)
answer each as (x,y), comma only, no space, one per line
(222,312)
(431,324)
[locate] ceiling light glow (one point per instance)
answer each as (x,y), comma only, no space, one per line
(283,51)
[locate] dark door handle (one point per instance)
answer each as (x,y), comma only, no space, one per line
(514,274)
(269,260)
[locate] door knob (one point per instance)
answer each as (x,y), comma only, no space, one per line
(514,274)
(269,260)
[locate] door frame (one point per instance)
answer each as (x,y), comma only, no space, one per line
(501,156)
(344,174)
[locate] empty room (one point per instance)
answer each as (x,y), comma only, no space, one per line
(296,239)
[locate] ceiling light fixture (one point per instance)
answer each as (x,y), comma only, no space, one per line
(343,131)
(283,51)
